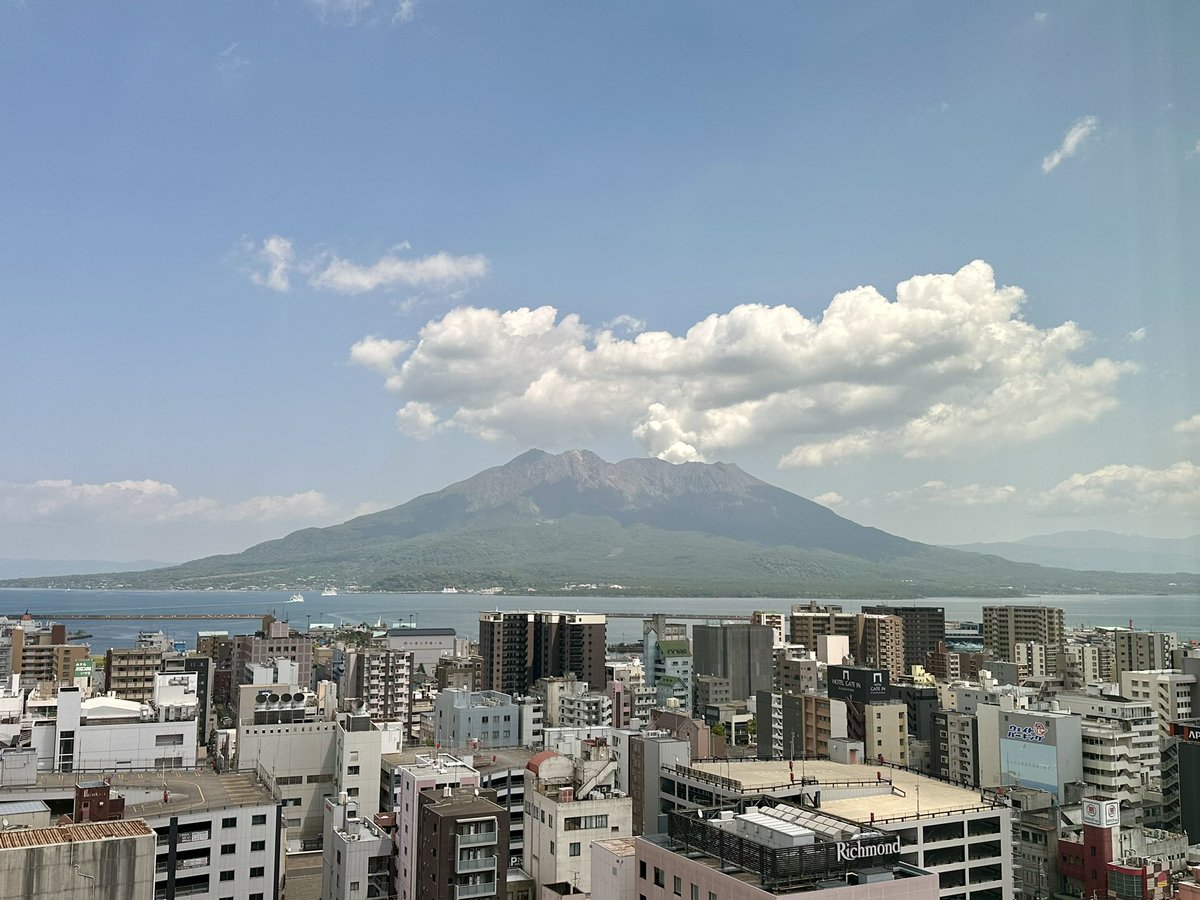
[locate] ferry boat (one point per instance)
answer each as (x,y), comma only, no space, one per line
(296,598)
(329,592)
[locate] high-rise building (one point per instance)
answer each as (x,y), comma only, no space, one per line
(1006,626)
(924,629)
(1140,651)
(875,640)
(41,654)
(129,672)
(740,652)
(518,648)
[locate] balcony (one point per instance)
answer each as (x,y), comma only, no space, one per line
(475,839)
(477,864)
(468,891)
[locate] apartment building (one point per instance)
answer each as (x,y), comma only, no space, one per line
(1006,626)
(924,629)
(518,648)
(462,842)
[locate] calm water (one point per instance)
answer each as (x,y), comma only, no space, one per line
(1180,614)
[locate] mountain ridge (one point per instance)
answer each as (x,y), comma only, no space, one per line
(542,521)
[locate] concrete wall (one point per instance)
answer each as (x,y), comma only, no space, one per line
(121,869)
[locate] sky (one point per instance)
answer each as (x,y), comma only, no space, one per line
(266,266)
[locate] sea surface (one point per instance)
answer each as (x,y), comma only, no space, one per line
(1179,613)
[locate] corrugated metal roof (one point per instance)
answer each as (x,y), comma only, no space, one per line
(94,831)
(18,807)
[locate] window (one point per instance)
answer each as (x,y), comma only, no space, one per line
(695,892)
(677,886)
(642,869)
(259,896)
(352,770)
(552,848)
(259,820)
(659,879)
(231,822)
(574,849)
(353,886)
(226,849)
(257,871)
(227,875)
(258,845)
(168,740)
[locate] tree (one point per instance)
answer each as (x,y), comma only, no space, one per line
(719,730)
(752,728)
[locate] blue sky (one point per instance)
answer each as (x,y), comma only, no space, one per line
(206,208)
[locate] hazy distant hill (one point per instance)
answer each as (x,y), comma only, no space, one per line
(543,521)
(1103,551)
(36,568)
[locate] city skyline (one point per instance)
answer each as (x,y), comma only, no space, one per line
(271,267)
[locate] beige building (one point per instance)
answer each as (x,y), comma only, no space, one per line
(886,730)
(1006,626)
(96,861)
(129,672)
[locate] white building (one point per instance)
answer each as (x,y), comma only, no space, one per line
(1136,717)
(356,853)
(103,734)
(1170,691)
(570,803)
(406,781)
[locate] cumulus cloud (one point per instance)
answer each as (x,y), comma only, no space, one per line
(275,258)
(1136,336)
(1041,17)
(1080,131)
(1188,426)
(627,323)
(1124,489)
(436,270)
(948,364)
(831,499)
(940,493)
(147,502)
(378,354)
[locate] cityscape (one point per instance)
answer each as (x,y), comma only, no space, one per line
(813,750)
(544,450)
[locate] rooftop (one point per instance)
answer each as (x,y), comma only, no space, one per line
(187,790)
(69,834)
(901,793)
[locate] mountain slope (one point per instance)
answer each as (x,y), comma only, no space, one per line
(1099,550)
(544,520)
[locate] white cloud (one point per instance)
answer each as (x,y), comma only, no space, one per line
(272,263)
(940,493)
(627,323)
(277,257)
(948,364)
(440,270)
(355,12)
(1080,131)
(378,354)
(1041,17)
(1188,426)
(1124,489)
(229,63)
(149,501)
(831,499)
(1194,152)
(1136,336)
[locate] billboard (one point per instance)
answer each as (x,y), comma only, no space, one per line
(83,668)
(1102,813)
(1030,764)
(858,684)
(1186,732)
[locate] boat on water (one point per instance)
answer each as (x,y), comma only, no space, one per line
(329,592)
(296,598)
(79,635)
(449,590)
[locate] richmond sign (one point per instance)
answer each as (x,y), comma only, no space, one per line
(856,851)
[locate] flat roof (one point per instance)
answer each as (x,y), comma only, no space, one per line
(915,791)
(624,846)
(68,834)
(22,807)
(505,757)
(189,790)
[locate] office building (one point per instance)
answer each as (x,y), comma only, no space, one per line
(518,648)
(776,851)
(954,747)
(483,720)
(740,652)
(875,640)
(1006,626)
(1140,651)
(1030,748)
(924,629)
(798,726)
(357,858)
(964,835)
(275,642)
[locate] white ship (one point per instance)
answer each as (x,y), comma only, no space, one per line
(329,592)
(296,598)
(449,590)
